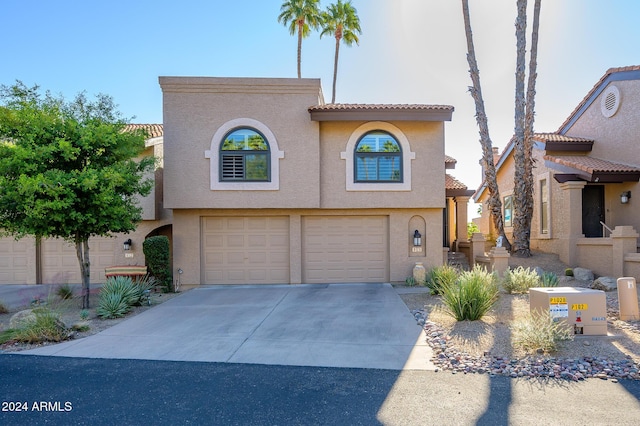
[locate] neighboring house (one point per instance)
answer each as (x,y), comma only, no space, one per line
(55,261)
(268,184)
(261,182)
(586,180)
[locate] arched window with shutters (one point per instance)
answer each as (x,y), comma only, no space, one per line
(378,158)
(244,156)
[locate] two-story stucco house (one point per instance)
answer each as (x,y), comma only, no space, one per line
(268,184)
(586,180)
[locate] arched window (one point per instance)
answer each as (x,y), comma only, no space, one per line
(244,156)
(378,158)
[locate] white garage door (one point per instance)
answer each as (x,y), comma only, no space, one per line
(60,262)
(245,250)
(345,249)
(14,260)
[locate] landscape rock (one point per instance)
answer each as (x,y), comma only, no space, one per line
(583,274)
(605,284)
(538,270)
(22,318)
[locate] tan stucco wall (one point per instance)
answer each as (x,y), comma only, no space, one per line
(187,244)
(195,108)
(427,171)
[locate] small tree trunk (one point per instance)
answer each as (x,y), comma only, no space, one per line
(82,252)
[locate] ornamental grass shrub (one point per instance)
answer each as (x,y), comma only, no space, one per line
(43,325)
(519,280)
(472,295)
(540,331)
(441,276)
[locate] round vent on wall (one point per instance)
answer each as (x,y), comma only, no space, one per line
(610,101)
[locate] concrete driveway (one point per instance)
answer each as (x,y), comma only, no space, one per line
(333,325)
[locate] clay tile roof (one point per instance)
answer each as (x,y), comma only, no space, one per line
(591,164)
(554,137)
(153,130)
(448,159)
(378,107)
(452,183)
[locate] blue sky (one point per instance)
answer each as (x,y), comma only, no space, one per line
(411,51)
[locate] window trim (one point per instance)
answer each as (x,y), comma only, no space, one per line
(349,156)
(538,201)
(213,154)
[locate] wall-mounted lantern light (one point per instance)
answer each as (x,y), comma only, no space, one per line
(127,244)
(625,196)
(417,239)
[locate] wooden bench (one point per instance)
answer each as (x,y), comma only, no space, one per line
(125,271)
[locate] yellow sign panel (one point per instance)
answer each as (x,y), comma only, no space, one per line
(579,307)
(557,300)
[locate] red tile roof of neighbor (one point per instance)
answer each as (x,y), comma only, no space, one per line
(359,107)
(591,164)
(153,130)
(554,137)
(452,183)
(448,159)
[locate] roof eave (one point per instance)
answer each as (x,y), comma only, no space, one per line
(381,115)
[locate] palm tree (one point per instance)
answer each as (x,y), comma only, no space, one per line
(524,116)
(340,20)
(494,203)
(300,16)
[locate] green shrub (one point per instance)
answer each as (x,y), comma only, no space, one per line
(122,286)
(156,252)
(112,305)
(410,281)
(540,331)
(472,228)
(568,272)
(549,279)
(472,296)
(84,314)
(520,280)
(441,276)
(64,292)
(46,326)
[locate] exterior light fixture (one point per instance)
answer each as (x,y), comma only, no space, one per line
(127,244)
(417,239)
(625,197)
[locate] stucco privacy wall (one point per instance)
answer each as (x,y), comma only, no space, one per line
(196,107)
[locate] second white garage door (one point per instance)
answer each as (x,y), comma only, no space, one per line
(345,249)
(245,250)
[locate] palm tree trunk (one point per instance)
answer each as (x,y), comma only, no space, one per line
(494,203)
(335,71)
(520,232)
(299,49)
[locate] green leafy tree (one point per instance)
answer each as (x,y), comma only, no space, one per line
(67,169)
(341,21)
(301,16)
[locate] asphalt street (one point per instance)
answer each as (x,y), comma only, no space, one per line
(60,390)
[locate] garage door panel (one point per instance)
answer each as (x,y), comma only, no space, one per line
(60,263)
(345,249)
(247,250)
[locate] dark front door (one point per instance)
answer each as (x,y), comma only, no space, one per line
(592,210)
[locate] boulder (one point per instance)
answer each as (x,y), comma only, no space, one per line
(605,284)
(583,274)
(22,318)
